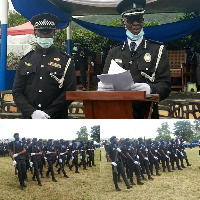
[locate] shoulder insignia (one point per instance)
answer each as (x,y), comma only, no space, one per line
(156,42)
(57,59)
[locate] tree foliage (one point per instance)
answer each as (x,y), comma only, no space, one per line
(15,19)
(163,132)
(184,129)
(82,135)
(95,133)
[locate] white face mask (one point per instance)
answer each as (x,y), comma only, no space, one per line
(45,42)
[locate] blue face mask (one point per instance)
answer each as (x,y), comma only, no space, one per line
(115,142)
(16,139)
(134,37)
(45,42)
(35,143)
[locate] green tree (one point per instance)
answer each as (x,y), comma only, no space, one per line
(95,130)
(184,129)
(164,132)
(82,134)
(197,128)
(15,19)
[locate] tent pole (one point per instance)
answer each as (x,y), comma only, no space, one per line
(3,62)
(69,38)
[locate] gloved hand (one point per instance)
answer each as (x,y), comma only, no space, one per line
(15,155)
(14,163)
(66,156)
(182,154)
(45,158)
(61,154)
(48,152)
(56,157)
(155,158)
(141,87)
(175,155)
(73,151)
(60,160)
(31,163)
(166,156)
(38,114)
(146,158)
(88,155)
(146,149)
(156,151)
(105,87)
(137,157)
(32,154)
(114,164)
(81,157)
(92,63)
(136,162)
(118,149)
(72,157)
(168,152)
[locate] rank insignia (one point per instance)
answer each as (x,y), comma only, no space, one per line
(118,60)
(28,64)
(53,64)
(57,59)
(147,57)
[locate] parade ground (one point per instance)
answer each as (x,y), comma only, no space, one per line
(97,183)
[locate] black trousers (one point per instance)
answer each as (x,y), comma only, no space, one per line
(145,167)
(119,169)
(21,167)
(50,168)
(75,162)
(36,168)
(62,165)
(133,168)
(152,162)
(83,162)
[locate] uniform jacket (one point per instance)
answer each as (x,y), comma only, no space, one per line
(144,60)
(35,86)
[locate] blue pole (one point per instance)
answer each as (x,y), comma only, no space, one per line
(3,62)
(69,39)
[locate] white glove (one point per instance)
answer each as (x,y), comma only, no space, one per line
(66,156)
(56,157)
(155,158)
(92,63)
(15,155)
(118,149)
(88,155)
(105,87)
(81,157)
(182,154)
(60,160)
(156,151)
(141,87)
(166,156)
(146,149)
(48,152)
(73,151)
(32,154)
(114,164)
(31,164)
(38,114)
(136,162)
(168,152)
(45,158)
(14,163)
(61,154)
(146,158)
(175,155)
(72,157)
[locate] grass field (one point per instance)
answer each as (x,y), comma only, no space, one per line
(97,183)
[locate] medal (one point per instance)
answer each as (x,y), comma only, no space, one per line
(147,57)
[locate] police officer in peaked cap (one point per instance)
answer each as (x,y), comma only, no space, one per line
(44,75)
(147,60)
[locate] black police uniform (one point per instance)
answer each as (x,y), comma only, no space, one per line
(37,160)
(82,150)
(179,153)
(75,151)
(68,155)
(184,153)
(17,147)
(42,79)
(90,151)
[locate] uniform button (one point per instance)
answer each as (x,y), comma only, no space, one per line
(40,91)
(39,105)
(55,73)
(147,69)
(40,77)
(42,65)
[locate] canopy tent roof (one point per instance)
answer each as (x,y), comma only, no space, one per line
(23,29)
(99,7)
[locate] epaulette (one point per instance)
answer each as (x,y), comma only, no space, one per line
(156,42)
(116,45)
(26,54)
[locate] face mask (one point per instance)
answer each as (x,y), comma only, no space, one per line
(115,142)
(45,42)
(17,139)
(35,143)
(134,37)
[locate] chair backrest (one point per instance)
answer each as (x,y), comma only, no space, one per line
(176,58)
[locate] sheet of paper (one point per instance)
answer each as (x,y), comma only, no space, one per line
(121,81)
(115,68)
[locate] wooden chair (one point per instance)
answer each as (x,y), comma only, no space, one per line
(177,60)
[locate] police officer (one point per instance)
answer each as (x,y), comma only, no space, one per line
(17,153)
(26,146)
(179,152)
(143,158)
(50,151)
(114,156)
(68,155)
(43,162)
(182,147)
(82,152)
(62,151)
(74,155)
(147,60)
(35,154)
(44,75)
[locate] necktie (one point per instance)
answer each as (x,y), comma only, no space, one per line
(132,46)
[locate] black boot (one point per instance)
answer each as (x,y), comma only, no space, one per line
(118,189)
(169,170)
(150,178)
(39,183)
(188,163)
(54,180)
(139,182)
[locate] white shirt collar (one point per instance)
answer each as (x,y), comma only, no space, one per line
(136,41)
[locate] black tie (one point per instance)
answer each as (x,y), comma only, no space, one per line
(132,47)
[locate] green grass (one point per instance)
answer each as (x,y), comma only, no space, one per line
(97,183)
